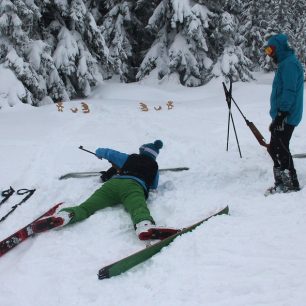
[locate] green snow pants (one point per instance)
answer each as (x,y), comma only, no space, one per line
(115,191)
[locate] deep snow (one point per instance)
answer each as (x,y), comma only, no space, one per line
(255,256)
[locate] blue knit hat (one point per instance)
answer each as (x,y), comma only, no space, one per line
(151,149)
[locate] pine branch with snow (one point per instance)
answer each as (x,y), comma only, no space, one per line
(182,36)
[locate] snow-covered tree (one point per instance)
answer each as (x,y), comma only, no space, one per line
(232,61)
(116,29)
(253,27)
(283,16)
(17,23)
(61,49)
(78,47)
(181,45)
(33,45)
(197,41)
(297,28)
(125,33)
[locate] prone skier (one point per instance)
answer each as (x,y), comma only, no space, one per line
(127,182)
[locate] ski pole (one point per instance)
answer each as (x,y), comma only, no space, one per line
(228,97)
(6,194)
(252,127)
(250,124)
(228,100)
(19,192)
(82,148)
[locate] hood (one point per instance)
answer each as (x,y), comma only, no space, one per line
(280,41)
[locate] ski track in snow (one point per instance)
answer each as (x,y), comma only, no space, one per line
(255,256)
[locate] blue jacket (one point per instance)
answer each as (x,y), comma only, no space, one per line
(288,83)
(118,159)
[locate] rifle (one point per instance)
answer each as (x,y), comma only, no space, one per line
(251,125)
(82,148)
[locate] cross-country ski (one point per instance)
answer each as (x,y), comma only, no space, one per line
(98,173)
(24,233)
(299,155)
(131,261)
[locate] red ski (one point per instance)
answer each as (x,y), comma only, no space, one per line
(24,233)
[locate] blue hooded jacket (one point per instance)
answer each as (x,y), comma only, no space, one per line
(288,83)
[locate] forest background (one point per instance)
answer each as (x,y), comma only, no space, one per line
(61,49)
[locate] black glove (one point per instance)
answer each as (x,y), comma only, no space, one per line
(278,123)
(106,175)
(103,176)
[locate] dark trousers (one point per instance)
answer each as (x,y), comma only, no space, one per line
(279,148)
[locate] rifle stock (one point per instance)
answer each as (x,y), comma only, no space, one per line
(257,134)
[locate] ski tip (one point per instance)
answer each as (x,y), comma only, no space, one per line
(226,210)
(103,273)
(223,211)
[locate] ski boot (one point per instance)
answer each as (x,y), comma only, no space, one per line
(57,220)
(290,180)
(278,183)
(146,230)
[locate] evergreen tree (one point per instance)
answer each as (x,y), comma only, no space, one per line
(253,24)
(142,34)
(181,45)
(196,41)
(35,47)
(123,28)
(299,31)
(288,17)
(61,49)
(24,53)
(78,47)
(232,62)
(115,29)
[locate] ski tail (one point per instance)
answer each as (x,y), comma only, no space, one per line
(24,233)
(301,155)
(79,175)
(131,261)
(177,169)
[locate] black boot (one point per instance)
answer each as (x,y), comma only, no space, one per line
(278,182)
(277,176)
(290,180)
(295,186)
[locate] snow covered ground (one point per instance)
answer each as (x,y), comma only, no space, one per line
(255,256)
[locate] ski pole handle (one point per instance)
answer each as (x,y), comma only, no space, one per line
(81,148)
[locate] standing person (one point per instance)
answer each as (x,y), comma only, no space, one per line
(127,182)
(286,110)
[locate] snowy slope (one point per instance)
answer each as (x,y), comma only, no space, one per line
(255,256)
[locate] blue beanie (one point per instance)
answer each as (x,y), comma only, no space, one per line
(151,149)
